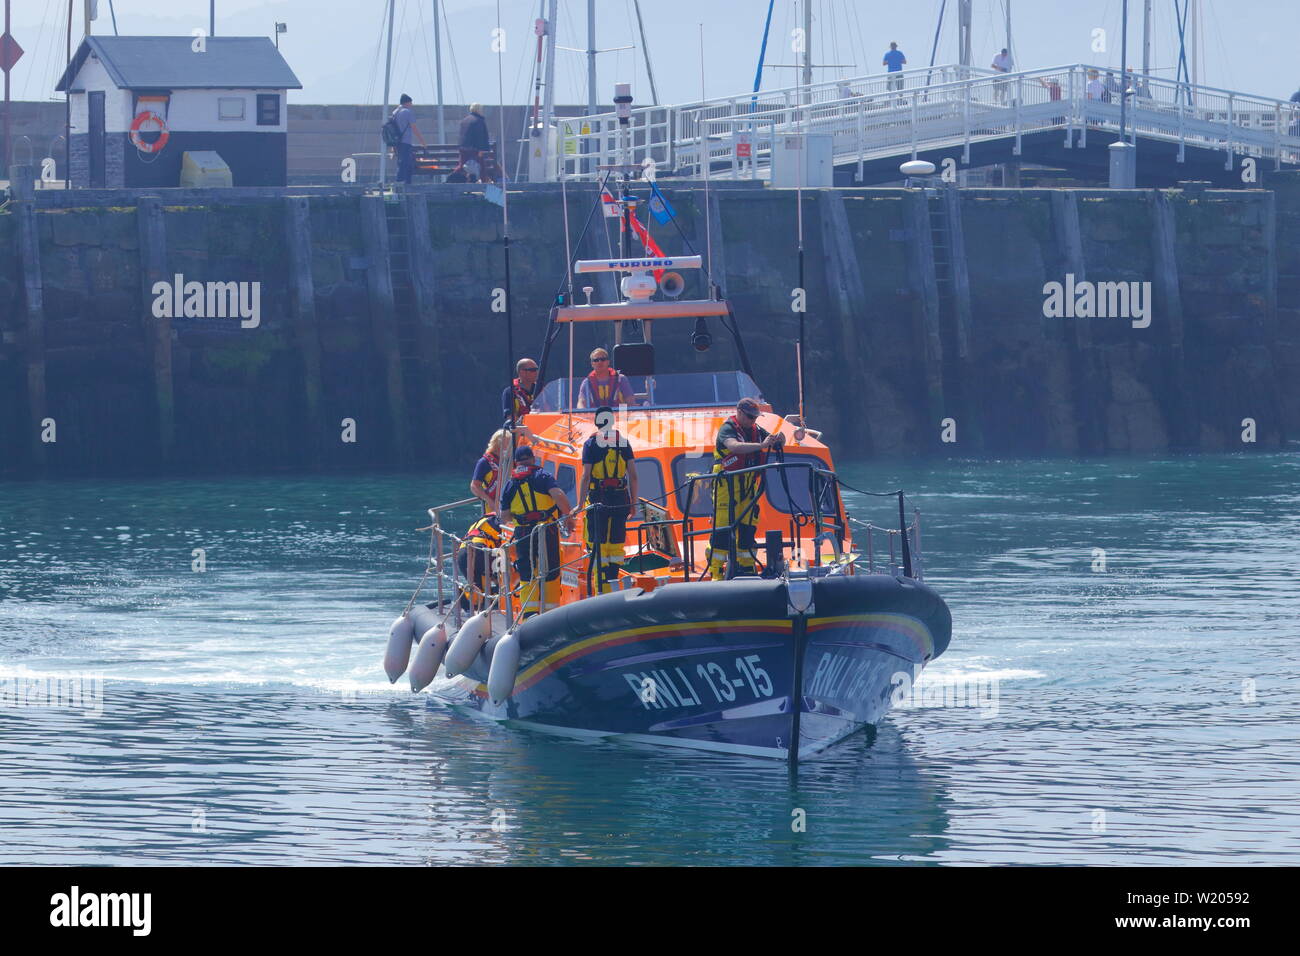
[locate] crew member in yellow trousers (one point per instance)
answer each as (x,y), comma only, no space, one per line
(740,444)
(532,499)
(609,478)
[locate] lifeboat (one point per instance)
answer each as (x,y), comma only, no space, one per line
(780,658)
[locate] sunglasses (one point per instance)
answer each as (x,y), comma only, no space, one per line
(595,360)
(745,414)
(529,368)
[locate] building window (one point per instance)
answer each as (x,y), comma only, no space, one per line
(268,109)
(230,108)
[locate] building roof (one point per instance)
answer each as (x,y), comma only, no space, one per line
(138,63)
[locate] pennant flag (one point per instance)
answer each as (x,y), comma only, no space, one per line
(613,208)
(660,208)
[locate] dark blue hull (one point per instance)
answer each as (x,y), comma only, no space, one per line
(712,666)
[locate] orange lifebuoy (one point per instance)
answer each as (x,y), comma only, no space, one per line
(144,117)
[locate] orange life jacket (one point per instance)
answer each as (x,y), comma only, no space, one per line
(603,394)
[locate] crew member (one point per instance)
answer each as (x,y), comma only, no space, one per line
(517,399)
(611,492)
(604,385)
(474,564)
(487,470)
(532,500)
(473,144)
(740,444)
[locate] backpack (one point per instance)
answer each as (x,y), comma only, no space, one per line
(391,132)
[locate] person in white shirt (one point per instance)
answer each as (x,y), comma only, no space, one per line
(1002,64)
(1096,90)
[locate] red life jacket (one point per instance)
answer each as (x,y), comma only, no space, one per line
(731,461)
(603,394)
(490,479)
(523,400)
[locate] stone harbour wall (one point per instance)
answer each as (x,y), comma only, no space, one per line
(926,327)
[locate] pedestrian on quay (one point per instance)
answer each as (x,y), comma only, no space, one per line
(404,117)
(473,143)
(894,61)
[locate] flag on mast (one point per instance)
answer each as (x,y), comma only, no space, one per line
(660,208)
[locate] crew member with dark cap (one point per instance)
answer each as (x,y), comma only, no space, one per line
(740,443)
(517,399)
(609,478)
(534,503)
(404,116)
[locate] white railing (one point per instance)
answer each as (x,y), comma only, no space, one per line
(921,110)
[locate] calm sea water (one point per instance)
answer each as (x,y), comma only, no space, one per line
(1146,714)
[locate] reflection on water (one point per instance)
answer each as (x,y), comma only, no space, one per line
(1145,714)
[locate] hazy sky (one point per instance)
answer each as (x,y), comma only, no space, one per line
(334,45)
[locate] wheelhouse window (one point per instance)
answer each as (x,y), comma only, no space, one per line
(702,495)
(268,109)
(798,487)
(670,390)
(650,481)
(568,480)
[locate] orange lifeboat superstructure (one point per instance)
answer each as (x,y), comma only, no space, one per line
(779,663)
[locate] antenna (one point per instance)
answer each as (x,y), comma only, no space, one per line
(704,159)
(505,240)
(388,73)
(798,189)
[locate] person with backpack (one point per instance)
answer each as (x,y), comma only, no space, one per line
(397,134)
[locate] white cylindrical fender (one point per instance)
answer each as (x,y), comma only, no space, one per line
(427,657)
(398,653)
(466,645)
(504,667)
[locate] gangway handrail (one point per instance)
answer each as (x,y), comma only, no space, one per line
(868,122)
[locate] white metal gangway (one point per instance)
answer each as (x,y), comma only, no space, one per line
(950,107)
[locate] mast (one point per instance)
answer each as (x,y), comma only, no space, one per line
(4,156)
(388,74)
(591,57)
(963,31)
(1008,5)
(762,55)
(1123,74)
(437,67)
(548,90)
(807,43)
(1146,38)
(645,51)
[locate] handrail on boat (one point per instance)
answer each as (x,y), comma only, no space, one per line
(823,527)
(556,443)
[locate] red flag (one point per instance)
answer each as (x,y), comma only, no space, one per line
(642,233)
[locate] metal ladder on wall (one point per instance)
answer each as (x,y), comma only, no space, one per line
(407,315)
(941,241)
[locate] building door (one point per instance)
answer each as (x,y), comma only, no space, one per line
(97,138)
